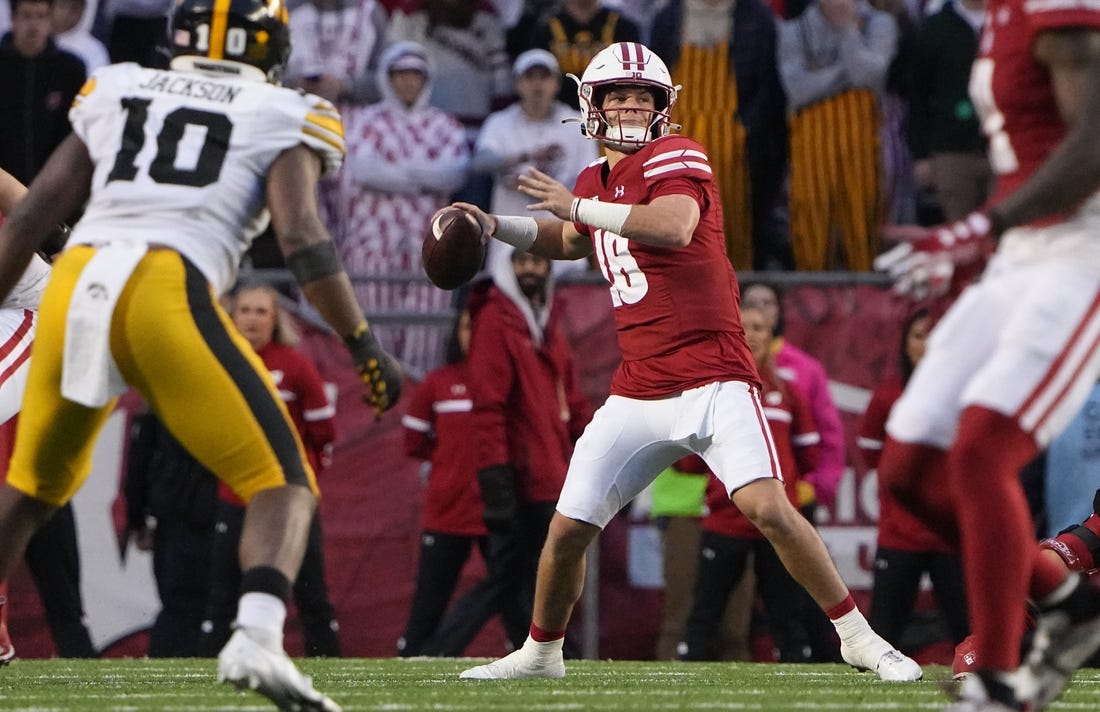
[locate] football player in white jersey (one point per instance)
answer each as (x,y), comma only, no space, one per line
(180,169)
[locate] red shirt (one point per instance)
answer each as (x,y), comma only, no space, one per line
(528,407)
(796,439)
(676,309)
(1012,90)
(898,528)
(439,428)
(303,392)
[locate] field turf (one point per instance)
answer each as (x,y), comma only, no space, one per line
(394,685)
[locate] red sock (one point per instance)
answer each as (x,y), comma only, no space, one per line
(545,636)
(840,609)
(984,466)
(916,476)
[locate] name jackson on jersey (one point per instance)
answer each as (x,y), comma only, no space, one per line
(194,87)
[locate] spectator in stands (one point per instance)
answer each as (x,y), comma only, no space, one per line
(139,29)
(170,500)
(336,48)
(833,62)
(404,160)
(466,43)
(439,429)
(528,411)
(71,35)
(898,186)
(729,537)
(527,134)
(944,133)
(576,33)
(907,547)
(38,82)
(268,329)
(738,114)
(796,366)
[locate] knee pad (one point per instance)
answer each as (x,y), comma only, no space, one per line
(1078,546)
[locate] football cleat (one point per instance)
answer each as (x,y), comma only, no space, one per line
(247,664)
(965,659)
(878,656)
(1066,635)
(983,691)
(532,660)
(7,650)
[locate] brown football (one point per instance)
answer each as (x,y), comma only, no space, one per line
(454,248)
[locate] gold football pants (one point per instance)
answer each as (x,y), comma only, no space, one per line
(176,346)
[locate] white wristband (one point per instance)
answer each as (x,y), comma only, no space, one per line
(518,231)
(608,216)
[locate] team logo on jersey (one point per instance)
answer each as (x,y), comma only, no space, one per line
(620,191)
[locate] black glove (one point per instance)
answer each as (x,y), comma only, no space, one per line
(377,369)
(498,493)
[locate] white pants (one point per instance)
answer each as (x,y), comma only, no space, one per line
(1024,342)
(17,328)
(630,441)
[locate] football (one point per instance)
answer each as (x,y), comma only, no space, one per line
(454,248)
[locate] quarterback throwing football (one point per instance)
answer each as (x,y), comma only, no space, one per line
(687,383)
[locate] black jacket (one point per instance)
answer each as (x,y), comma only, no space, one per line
(942,118)
(34,115)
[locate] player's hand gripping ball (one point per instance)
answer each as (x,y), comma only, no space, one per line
(454,248)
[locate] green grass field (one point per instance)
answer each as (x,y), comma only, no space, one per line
(393,685)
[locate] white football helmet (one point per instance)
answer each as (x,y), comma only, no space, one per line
(633,64)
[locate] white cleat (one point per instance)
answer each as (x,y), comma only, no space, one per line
(533,660)
(878,656)
(248,664)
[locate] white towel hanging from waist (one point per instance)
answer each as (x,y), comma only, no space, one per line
(89,374)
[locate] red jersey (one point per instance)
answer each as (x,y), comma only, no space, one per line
(676,308)
(303,392)
(1012,91)
(796,439)
(898,528)
(439,428)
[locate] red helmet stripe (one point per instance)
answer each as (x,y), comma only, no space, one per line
(636,63)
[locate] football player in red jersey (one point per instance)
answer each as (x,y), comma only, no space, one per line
(1016,356)
(687,383)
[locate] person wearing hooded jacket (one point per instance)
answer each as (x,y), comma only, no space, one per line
(528,410)
(405,158)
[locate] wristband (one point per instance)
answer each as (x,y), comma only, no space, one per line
(606,216)
(518,231)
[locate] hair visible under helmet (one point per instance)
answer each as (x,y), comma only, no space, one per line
(625,64)
(234,38)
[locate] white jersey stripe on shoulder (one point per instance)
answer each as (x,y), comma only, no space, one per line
(806,439)
(677,154)
(458,405)
(314,414)
(778,415)
(869,443)
(1034,7)
(682,166)
(417,424)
